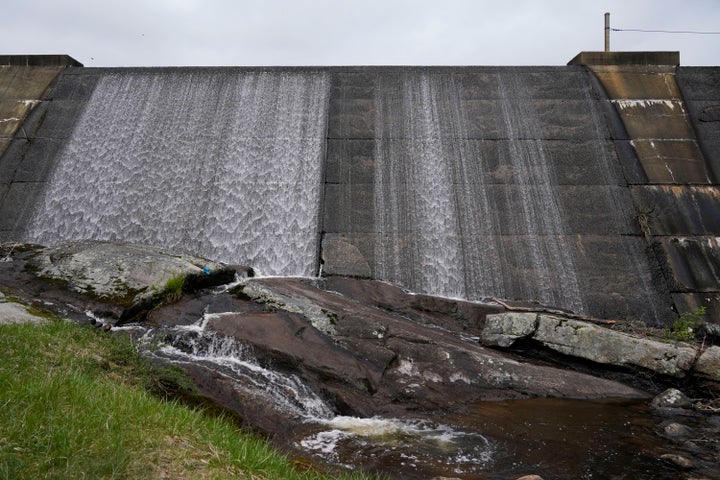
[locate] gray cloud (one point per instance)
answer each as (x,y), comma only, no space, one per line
(352,32)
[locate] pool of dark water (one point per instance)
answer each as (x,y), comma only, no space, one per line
(556,439)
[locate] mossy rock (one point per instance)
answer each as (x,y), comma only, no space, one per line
(133,277)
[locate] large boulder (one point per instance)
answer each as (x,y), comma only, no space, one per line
(586,340)
(708,364)
(129,278)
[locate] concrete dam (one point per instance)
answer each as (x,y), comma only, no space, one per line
(591,187)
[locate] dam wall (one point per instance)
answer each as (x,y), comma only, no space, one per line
(521,183)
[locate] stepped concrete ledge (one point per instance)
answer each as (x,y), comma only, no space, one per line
(626,58)
(39,61)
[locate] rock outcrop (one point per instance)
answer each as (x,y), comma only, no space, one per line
(130,278)
(585,340)
(358,348)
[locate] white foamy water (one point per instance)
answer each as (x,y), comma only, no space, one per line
(414,442)
(224,164)
(428,203)
(437,220)
(195,345)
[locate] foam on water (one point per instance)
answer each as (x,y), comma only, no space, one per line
(412,442)
(225,164)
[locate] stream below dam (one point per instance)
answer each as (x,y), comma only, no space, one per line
(557,438)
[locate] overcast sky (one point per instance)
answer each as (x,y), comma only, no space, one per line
(352,32)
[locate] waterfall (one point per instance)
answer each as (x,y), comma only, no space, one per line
(195,344)
(540,218)
(225,164)
(437,216)
(428,201)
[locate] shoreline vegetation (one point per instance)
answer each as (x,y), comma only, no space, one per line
(78,403)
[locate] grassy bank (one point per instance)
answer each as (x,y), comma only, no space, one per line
(75,404)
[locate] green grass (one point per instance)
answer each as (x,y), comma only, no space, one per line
(75,404)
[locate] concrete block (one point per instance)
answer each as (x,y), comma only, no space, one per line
(672,161)
(621,279)
(679,209)
(689,301)
(708,131)
(76,87)
(711,153)
(10,161)
(351,119)
(585,162)
(699,83)
(651,126)
(350,161)
(12,114)
(341,257)
(624,59)
(623,83)
(348,254)
(630,165)
(704,119)
(26,83)
(349,208)
(4,144)
(692,263)
(596,210)
(39,161)
(17,208)
(60,119)
(4,188)
(39,61)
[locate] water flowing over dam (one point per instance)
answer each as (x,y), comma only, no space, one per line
(430,179)
(224,165)
(523,183)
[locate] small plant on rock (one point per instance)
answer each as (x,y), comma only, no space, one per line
(171,291)
(685,326)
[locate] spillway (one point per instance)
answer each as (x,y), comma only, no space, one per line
(444,224)
(224,164)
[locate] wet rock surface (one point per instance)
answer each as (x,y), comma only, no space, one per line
(345,348)
(128,280)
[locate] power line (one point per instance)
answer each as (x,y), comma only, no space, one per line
(691,32)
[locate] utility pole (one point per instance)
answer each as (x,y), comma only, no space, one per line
(607,31)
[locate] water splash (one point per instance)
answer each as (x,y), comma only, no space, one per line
(193,344)
(225,164)
(413,444)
